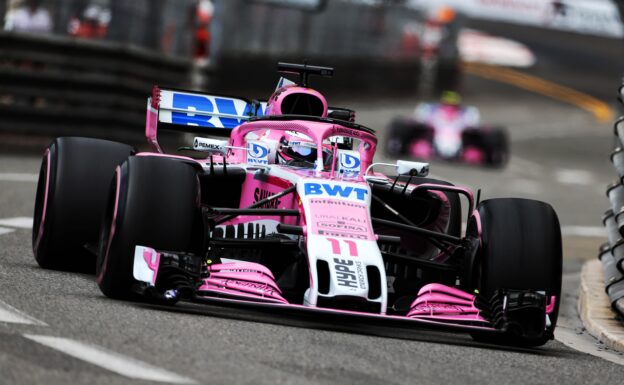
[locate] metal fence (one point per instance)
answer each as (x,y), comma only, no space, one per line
(159,25)
(85,67)
(342,28)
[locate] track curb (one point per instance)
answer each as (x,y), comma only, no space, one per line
(595,309)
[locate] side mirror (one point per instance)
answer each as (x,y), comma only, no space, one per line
(405,167)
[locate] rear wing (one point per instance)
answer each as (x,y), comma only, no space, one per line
(187,111)
(184,108)
(212,115)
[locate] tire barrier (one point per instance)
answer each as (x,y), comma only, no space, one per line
(611,254)
(617,158)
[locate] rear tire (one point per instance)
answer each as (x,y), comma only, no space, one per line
(497,147)
(71,198)
(520,250)
(398,137)
(153,202)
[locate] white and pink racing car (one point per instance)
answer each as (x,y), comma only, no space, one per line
(291,212)
(448,131)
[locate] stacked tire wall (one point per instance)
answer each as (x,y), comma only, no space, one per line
(611,254)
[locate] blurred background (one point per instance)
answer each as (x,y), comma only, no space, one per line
(547,71)
(71,63)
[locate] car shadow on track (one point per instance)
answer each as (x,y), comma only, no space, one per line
(340,323)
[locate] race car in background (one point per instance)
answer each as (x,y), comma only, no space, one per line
(291,213)
(448,131)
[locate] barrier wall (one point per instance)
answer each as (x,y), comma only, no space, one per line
(59,86)
(611,254)
(56,84)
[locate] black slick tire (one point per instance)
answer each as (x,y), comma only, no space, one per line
(520,250)
(398,136)
(153,202)
(70,200)
(497,147)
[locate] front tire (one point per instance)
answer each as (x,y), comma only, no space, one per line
(520,250)
(153,202)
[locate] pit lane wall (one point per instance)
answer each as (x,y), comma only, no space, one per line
(59,83)
(611,254)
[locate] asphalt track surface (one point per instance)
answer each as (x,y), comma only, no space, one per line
(559,155)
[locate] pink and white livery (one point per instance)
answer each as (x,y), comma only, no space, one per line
(450,131)
(292,212)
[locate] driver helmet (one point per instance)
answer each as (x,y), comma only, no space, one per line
(299,150)
(450,98)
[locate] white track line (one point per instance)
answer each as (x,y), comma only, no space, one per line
(10,314)
(574,177)
(18,177)
(19,222)
(584,231)
(526,186)
(525,166)
(112,361)
(4,230)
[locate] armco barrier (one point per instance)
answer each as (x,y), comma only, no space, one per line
(611,254)
(55,86)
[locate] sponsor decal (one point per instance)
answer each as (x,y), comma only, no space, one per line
(257,153)
(260,194)
(336,203)
(349,273)
(341,225)
(345,273)
(335,190)
(349,161)
(261,287)
(209,145)
(298,134)
(342,234)
(437,308)
(207,104)
(348,132)
(340,218)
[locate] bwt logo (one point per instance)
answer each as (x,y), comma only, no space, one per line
(209,105)
(335,190)
(257,153)
(348,161)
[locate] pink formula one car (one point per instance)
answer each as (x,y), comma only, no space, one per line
(292,213)
(448,131)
